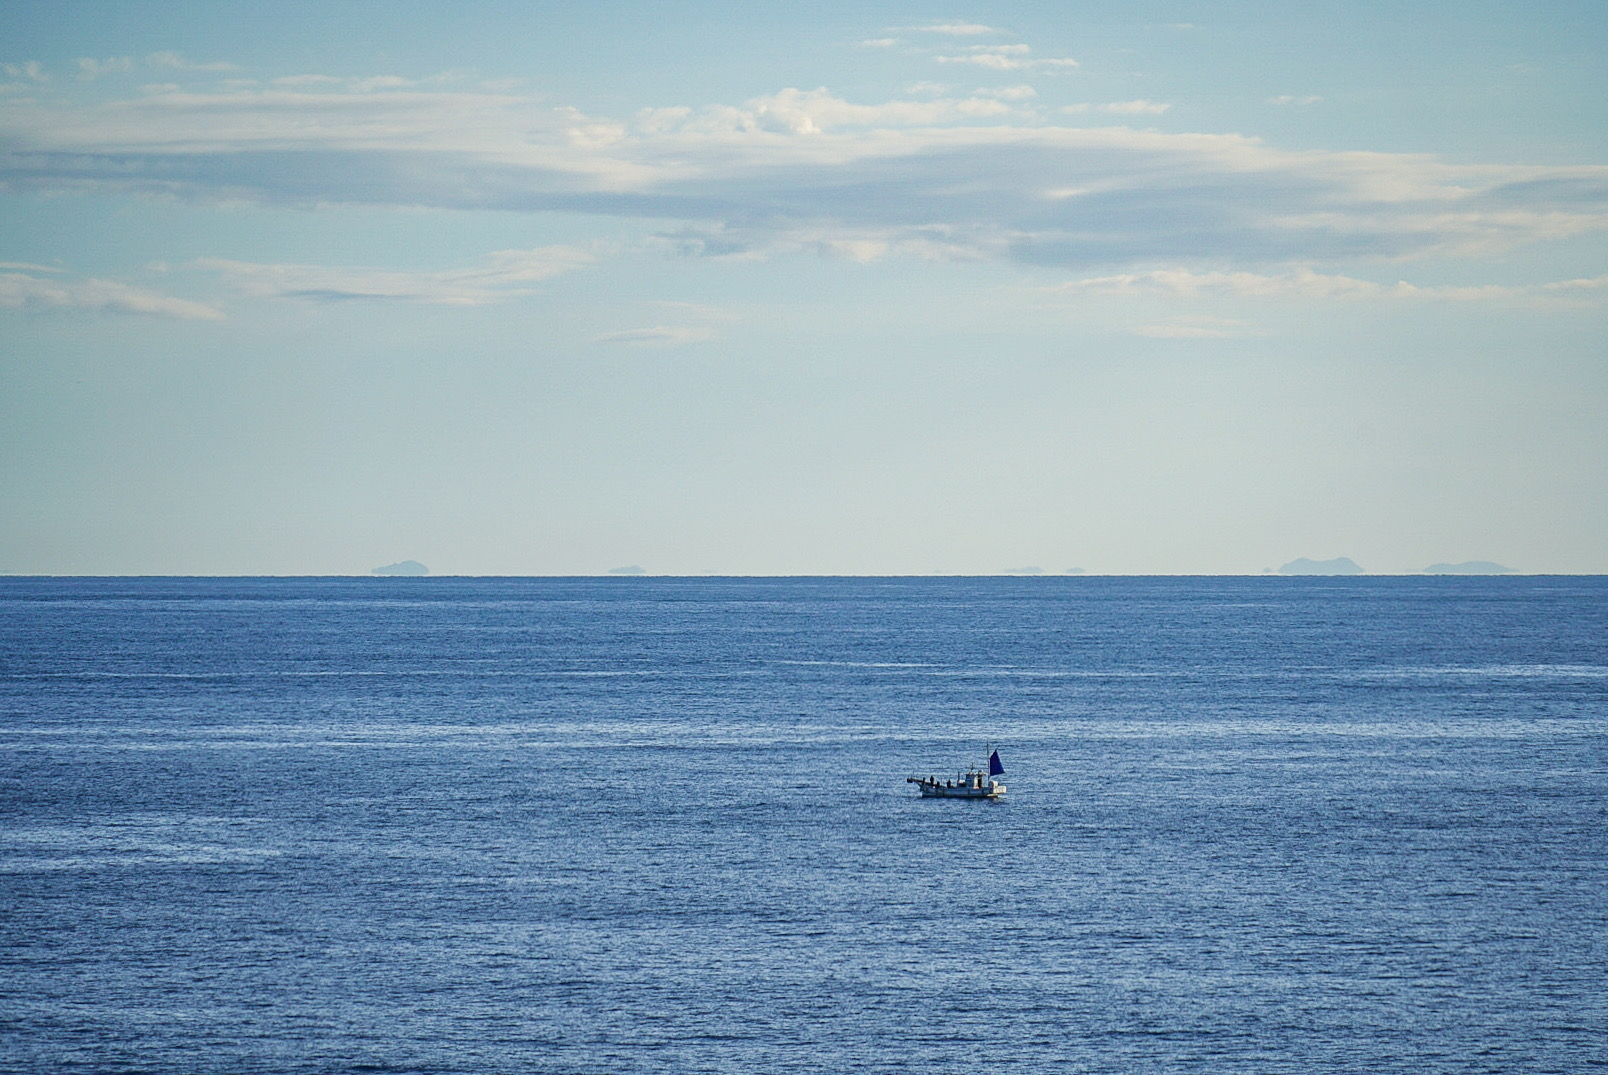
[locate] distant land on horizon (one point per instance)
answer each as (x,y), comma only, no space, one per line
(402,567)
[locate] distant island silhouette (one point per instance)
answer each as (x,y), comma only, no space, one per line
(633,569)
(1340,565)
(1468,567)
(403,567)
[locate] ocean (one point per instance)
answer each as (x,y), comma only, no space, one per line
(620,825)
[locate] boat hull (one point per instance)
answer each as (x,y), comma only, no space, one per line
(961,793)
(934,789)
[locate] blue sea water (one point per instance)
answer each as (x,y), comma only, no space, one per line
(661,825)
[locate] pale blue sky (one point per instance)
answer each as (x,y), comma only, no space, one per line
(553,289)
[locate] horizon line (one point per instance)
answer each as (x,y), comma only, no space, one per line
(818,575)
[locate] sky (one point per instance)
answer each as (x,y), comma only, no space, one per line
(720,288)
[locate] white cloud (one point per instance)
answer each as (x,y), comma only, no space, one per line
(1135,108)
(999,57)
(1184,283)
(1287,99)
(354,85)
(1119,108)
(993,60)
(1004,58)
(807,170)
(1555,293)
(1307,284)
(957,29)
(861,245)
(304,81)
(863,251)
(503,275)
(879,43)
(658,334)
(33,71)
(174,61)
(89,69)
(799,112)
(655,120)
(1008,93)
(284,118)
(22,291)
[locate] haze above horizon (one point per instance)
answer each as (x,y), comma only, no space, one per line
(700,289)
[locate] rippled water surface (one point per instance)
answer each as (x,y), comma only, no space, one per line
(657,825)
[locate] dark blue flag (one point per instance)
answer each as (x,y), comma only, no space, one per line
(994,766)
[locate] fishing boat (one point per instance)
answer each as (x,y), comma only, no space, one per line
(977,783)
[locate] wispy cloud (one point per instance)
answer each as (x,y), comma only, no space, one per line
(353,85)
(810,112)
(686,322)
(955,29)
(658,334)
(1008,93)
(1305,283)
(176,62)
(502,275)
(1119,108)
(32,71)
(1289,99)
(935,243)
(30,293)
(1005,58)
(90,69)
(977,176)
(1135,108)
